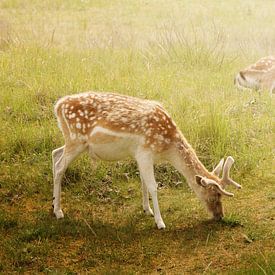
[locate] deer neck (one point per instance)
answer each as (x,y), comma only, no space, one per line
(185,160)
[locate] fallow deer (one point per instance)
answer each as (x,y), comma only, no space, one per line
(258,76)
(114,127)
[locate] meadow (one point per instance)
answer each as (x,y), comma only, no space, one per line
(185,55)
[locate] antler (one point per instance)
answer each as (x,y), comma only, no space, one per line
(205,182)
(217,170)
(220,189)
(225,174)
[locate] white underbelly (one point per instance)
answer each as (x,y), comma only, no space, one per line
(110,151)
(107,145)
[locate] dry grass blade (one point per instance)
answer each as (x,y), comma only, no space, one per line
(89,227)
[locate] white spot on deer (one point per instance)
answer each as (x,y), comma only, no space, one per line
(155,118)
(160,138)
(73,136)
(78,125)
(148,132)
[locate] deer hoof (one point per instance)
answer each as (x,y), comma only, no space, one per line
(160,225)
(149,212)
(59,214)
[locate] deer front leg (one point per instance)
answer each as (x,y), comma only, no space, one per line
(146,169)
(145,199)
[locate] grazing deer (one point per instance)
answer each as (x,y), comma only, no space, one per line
(258,76)
(114,127)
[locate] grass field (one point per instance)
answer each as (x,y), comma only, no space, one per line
(182,53)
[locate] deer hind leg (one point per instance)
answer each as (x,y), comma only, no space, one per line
(62,157)
(145,199)
(146,169)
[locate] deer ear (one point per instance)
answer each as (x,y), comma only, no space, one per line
(200,181)
(242,75)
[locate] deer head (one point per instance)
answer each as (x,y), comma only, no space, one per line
(214,189)
(259,75)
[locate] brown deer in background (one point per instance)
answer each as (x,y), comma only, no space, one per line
(258,76)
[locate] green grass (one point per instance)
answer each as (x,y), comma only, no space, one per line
(182,54)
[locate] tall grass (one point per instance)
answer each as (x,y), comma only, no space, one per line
(191,80)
